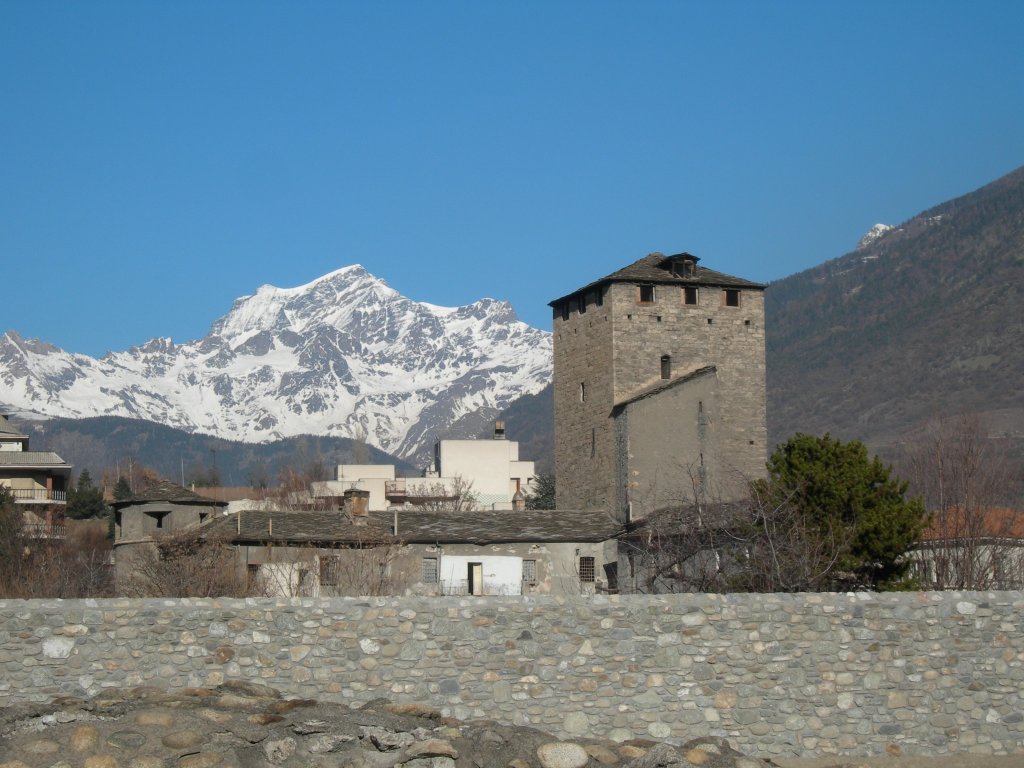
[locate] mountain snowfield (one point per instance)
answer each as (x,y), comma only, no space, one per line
(345,355)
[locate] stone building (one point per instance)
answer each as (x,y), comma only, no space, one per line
(355,551)
(659,388)
(158,511)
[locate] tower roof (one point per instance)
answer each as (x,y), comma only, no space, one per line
(680,269)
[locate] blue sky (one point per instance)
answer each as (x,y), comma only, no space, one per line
(158,160)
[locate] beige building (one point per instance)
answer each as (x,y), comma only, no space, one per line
(659,388)
(477,474)
(38,480)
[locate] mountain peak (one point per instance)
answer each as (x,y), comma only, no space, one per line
(341,355)
(873,234)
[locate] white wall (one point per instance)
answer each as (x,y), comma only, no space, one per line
(503,575)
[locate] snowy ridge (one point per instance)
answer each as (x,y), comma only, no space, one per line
(873,234)
(343,355)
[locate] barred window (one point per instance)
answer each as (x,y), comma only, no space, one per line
(530,571)
(587,569)
(429,573)
(330,569)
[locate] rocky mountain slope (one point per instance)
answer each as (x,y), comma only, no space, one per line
(923,320)
(345,355)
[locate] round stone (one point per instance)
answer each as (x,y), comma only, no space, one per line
(562,754)
(83,738)
(126,739)
(101,761)
(200,760)
(183,739)
(149,717)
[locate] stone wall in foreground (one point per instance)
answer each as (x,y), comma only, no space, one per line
(928,673)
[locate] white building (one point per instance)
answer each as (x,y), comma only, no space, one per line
(488,471)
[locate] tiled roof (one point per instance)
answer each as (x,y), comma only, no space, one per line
(988,523)
(422,527)
(33,458)
(165,490)
(656,268)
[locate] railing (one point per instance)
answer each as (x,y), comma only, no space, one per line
(38,494)
(44,531)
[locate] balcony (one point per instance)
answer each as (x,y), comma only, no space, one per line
(38,496)
(420,490)
(44,531)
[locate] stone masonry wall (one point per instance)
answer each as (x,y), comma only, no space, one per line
(929,673)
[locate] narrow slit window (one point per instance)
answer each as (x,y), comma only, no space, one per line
(583,392)
(666,366)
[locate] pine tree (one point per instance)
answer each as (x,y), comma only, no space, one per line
(834,485)
(85,500)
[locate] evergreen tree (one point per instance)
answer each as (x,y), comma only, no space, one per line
(85,500)
(543,495)
(122,490)
(834,485)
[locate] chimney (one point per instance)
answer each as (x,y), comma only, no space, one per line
(518,499)
(499,430)
(356,503)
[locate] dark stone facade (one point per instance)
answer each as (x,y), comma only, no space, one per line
(632,420)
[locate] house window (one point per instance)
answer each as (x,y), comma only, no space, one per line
(429,570)
(666,366)
(730,297)
(646,294)
(530,571)
(330,571)
(586,570)
(689,294)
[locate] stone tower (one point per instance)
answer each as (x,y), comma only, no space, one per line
(659,387)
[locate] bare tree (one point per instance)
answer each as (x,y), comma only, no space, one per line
(458,496)
(974,537)
(36,563)
(188,563)
(362,565)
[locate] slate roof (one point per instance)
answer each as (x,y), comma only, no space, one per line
(47,459)
(167,491)
(6,428)
(656,268)
(661,386)
(421,527)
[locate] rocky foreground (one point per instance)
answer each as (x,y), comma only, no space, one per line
(251,726)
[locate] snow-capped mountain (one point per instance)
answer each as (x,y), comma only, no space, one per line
(877,231)
(345,355)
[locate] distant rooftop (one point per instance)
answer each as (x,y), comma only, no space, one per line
(167,491)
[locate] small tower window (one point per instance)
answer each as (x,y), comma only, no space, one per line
(666,366)
(731,297)
(646,294)
(565,310)
(690,294)
(582,303)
